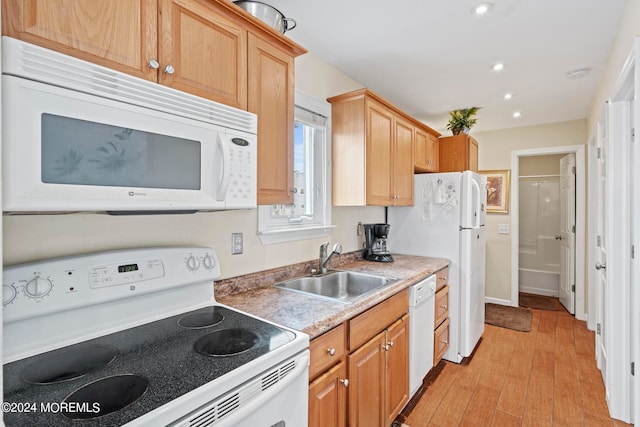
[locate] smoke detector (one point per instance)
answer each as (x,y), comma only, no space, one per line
(578,73)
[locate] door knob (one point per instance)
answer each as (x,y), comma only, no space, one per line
(601,266)
(558,237)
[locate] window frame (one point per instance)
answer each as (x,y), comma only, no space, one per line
(272,230)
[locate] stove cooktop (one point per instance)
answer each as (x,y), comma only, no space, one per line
(117,378)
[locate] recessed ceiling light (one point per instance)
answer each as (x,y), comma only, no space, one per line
(508,96)
(482,8)
(498,66)
(578,73)
(517,114)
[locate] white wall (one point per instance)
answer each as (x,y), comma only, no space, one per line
(34,237)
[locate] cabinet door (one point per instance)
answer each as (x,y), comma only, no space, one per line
(366,384)
(206,51)
(433,152)
(403,163)
(397,369)
(118,34)
(328,398)
(473,155)
(379,154)
(421,141)
(271,97)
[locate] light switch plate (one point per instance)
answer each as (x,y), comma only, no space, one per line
(503,229)
(236,243)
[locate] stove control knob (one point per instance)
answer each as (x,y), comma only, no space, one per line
(38,287)
(209,262)
(192,263)
(9,293)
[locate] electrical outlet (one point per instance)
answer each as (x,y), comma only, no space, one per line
(236,243)
(503,229)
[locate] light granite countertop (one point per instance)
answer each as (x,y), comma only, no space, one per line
(314,315)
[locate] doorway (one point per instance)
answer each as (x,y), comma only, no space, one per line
(545,237)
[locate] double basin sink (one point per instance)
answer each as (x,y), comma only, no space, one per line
(339,286)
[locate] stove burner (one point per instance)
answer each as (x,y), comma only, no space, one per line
(69,364)
(226,342)
(202,319)
(105,396)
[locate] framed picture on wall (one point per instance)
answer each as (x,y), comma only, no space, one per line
(498,190)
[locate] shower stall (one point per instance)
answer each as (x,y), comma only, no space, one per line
(539,226)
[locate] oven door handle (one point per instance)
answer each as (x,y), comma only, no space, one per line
(302,368)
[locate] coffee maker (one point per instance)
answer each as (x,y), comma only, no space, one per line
(376,246)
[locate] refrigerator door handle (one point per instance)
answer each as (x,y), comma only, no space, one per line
(478,202)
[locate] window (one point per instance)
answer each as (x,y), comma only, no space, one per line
(310,214)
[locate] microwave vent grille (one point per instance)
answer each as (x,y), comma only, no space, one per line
(36,63)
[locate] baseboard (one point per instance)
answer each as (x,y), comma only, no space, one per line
(498,301)
(538,291)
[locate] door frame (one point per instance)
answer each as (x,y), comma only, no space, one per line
(579,151)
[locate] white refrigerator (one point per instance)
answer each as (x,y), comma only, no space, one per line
(448,221)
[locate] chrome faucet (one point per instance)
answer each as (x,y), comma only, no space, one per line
(324,259)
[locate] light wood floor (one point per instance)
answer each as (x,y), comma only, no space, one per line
(540,378)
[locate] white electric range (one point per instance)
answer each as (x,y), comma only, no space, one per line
(135,337)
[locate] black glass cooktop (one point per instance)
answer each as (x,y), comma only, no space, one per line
(116,378)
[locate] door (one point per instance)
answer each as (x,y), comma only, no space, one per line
(601,251)
(366,383)
(567,231)
(328,398)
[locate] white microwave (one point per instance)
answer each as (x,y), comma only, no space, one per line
(81,137)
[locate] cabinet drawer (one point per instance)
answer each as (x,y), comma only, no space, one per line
(442,305)
(326,350)
(365,326)
(442,278)
(440,341)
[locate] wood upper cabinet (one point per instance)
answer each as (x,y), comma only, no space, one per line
(328,398)
(373,151)
(118,34)
(427,152)
(271,97)
(458,153)
(206,52)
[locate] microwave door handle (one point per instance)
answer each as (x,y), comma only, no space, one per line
(226,169)
(476,207)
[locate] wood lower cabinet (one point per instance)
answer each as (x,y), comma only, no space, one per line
(366,382)
(441,317)
(328,398)
(458,153)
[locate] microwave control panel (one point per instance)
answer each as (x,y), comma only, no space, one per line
(243,172)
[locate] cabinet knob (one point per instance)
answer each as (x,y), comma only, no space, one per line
(445,342)
(169,69)
(153,64)
(331,351)
(344,382)
(390,343)
(444,307)
(601,266)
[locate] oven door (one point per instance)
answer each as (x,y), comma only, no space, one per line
(277,398)
(67,151)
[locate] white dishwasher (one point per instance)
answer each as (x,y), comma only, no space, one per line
(421,315)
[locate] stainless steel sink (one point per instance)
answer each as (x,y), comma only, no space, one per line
(340,286)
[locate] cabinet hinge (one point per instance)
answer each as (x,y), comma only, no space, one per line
(598,329)
(599,241)
(573,288)
(573,229)
(573,170)
(633,368)
(633,251)
(633,134)
(599,152)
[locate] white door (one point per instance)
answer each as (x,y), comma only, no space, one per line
(567,231)
(601,249)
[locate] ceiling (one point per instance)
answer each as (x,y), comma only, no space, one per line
(431,56)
